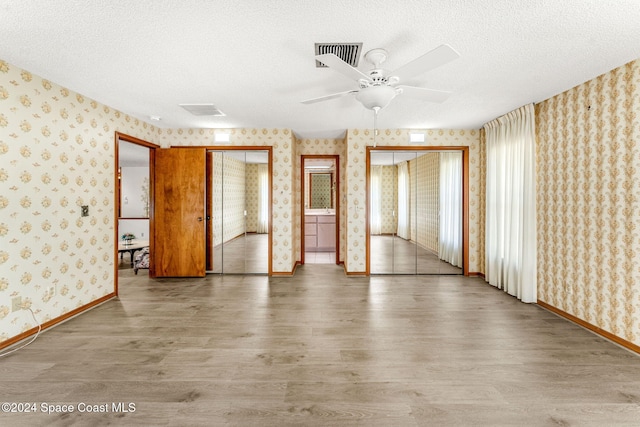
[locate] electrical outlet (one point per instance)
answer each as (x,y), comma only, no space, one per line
(84,210)
(16,303)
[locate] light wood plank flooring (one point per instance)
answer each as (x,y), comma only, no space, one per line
(322,349)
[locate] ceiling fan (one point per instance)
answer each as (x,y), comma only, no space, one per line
(378,87)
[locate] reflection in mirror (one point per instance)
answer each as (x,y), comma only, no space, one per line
(133,200)
(320,184)
(415,213)
(320,189)
(133,173)
(238,212)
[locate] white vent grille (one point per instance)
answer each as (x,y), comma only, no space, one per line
(348,52)
(203,109)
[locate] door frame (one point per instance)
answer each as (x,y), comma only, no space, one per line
(269,150)
(118,136)
(336,159)
(465,196)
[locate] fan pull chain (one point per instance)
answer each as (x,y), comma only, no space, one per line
(375,124)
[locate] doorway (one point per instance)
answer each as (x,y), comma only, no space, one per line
(320,208)
(134,199)
(238,211)
(416,205)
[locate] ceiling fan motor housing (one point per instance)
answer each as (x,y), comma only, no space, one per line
(377,77)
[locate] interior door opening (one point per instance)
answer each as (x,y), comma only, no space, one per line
(134,200)
(320,190)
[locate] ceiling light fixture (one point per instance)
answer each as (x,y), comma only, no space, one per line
(373,97)
(222,137)
(416,137)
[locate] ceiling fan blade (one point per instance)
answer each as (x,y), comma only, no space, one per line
(334,62)
(424,94)
(430,60)
(326,97)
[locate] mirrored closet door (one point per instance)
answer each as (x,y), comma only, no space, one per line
(415,212)
(238,212)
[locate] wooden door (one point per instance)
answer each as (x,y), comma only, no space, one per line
(179,212)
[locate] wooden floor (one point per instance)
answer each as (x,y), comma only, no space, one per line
(321,349)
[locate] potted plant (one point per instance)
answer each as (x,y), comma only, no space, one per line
(128,238)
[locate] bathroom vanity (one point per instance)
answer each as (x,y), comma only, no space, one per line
(320,230)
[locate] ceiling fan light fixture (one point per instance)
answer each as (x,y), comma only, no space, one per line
(376,96)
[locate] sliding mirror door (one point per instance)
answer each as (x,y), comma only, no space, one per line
(415,217)
(238,212)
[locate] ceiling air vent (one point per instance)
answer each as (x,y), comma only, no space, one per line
(348,52)
(202,109)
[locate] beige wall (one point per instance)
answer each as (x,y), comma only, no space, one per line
(426,196)
(229,198)
(588,173)
(389,199)
(251,196)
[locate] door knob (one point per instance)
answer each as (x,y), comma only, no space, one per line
(199,218)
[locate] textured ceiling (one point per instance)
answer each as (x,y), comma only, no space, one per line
(254,59)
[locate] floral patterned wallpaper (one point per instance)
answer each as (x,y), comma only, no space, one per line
(588,157)
(228,198)
(56,154)
(389,197)
(252,183)
(425,172)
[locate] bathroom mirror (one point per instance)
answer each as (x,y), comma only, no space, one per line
(321,190)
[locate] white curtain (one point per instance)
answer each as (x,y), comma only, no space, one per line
(511,204)
(375,200)
(263,198)
(404,193)
(450,233)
